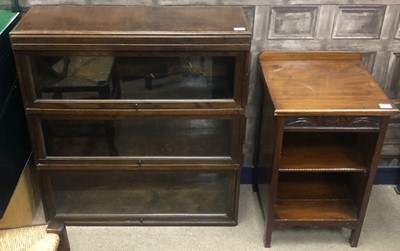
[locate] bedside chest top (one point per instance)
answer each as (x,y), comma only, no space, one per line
(133,25)
(322,83)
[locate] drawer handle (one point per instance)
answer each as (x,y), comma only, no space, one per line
(136,106)
(140,162)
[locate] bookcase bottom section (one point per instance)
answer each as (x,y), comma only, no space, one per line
(317,199)
(142,197)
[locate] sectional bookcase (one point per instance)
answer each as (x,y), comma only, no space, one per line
(136,114)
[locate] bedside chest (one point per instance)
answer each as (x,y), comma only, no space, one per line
(323,124)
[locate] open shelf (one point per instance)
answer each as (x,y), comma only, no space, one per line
(323,152)
(312,197)
(314,210)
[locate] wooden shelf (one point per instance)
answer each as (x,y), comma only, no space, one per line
(316,196)
(321,153)
(315,210)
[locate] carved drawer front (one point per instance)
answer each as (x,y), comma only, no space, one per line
(332,122)
(142,197)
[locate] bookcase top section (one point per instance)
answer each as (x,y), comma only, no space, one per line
(322,83)
(133,24)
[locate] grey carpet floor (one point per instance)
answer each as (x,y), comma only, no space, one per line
(381,232)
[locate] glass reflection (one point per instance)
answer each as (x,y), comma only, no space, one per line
(72,77)
(140,193)
(102,77)
(138,137)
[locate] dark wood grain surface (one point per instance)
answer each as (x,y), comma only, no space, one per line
(132,20)
(322,84)
(131,28)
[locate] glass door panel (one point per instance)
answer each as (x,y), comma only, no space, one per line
(181,193)
(139,137)
(164,77)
